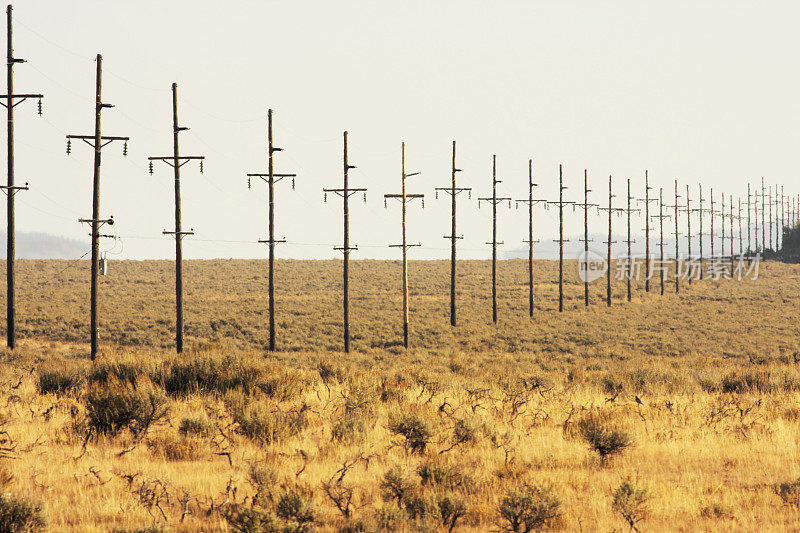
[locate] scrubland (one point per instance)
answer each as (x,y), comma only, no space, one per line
(668,413)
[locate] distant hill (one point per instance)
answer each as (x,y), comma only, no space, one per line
(44,246)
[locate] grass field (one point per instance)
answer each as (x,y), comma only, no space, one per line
(668,413)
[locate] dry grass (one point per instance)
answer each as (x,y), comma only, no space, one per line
(309,437)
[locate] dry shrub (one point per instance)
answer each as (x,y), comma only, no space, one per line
(197,426)
(528,508)
(175,448)
(265,423)
(417,432)
(396,486)
(602,437)
(114,407)
(60,381)
(630,501)
(18,515)
(789,492)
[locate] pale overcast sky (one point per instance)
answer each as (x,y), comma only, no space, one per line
(699,91)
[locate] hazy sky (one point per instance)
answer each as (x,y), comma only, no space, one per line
(695,91)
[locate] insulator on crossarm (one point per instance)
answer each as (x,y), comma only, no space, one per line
(325,199)
(365,197)
(69,146)
(248,183)
(423,203)
(469,195)
(151,168)
(292,183)
(436,193)
(125,149)
(201,166)
(385,206)
(509,204)
(40,107)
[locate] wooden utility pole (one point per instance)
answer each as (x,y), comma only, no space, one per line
(586,206)
(755,218)
(677,240)
(770,219)
(11,101)
(783,218)
(731,217)
(629,241)
(453,191)
(722,216)
(608,241)
(763,211)
(271,178)
(646,200)
(345,193)
(530,201)
(711,211)
(700,232)
(688,236)
(560,239)
(97,142)
(661,216)
(749,250)
(176,161)
(404,198)
(739,217)
(494,200)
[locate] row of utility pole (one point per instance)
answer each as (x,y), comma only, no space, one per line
(98,141)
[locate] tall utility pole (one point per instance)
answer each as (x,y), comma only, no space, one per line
(770,219)
(755,218)
(586,206)
(453,191)
(560,239)
(661,216)
(778,202)
(722,216)
(494,200)
(763,211)
(345,193)
(530,201)
(97,142)
(749,250)
(676,207)
(611,210)
(271,178)
(731,215)
(688,235)
(711,212)
(176,161)
(629,241)
(739,217)
(404,198)
(700,232)
(783,218)
(646,200)
(11,101)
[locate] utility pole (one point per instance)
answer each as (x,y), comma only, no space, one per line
(749,250)
(647,201)
(763,211)
(628,211)
(494,200)
(530,201)
(731,215)
(739,217)
(271,178)
(770,219)
(777,220)
(560,239)
(97,142)
(661,216)
(700,232)
(711,211)
(722,216)
(404,198)
(608,241)
(453,191)
(345,193)
(11,101)
(176,161)
(755,218)
(688,235)
(676,207)
(586,206)
(783,218)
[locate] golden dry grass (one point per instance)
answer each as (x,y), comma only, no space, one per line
(716,370)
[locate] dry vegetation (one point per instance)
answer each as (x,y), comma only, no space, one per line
(668,413)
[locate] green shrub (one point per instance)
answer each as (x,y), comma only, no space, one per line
(436,474)
(59,382)
(197,426)
(110,409)
(415,430)
(250,519)
(18,515)
(266,424)
(451,508)
(349,429)
(605,440)
(631,502)
(747,382)
(296,506)
(528,509)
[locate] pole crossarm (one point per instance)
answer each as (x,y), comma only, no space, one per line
(14,189)
(451,190)
(100,222)
(21,98)
(105,140)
